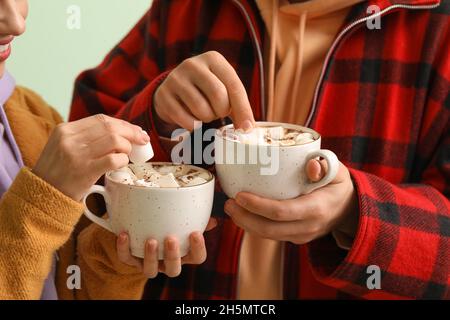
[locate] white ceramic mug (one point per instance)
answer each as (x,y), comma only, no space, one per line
(275,172)
(150,212)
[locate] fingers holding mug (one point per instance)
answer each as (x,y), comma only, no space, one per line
(316,169)
(197,252)
(150,265)
(151,261)
(172,259)
(124,252)
(330,170)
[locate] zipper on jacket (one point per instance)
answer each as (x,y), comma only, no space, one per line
(345,31)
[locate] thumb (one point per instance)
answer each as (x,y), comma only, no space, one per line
(316,169)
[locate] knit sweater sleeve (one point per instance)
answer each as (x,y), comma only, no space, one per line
(35,220)
(103,276)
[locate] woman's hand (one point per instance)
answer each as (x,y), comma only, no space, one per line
(300,220)
(150,266)
(79,153)
(203,88)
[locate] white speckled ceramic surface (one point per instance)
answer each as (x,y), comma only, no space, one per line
(287,179)
(146,212)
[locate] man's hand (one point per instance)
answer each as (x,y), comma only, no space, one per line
(150,266)
(203,88)
(300,220)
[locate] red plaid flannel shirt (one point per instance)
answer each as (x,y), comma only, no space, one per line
(382,105)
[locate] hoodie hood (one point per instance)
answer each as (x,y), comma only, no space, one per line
(300,34)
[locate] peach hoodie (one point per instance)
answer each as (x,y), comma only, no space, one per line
(300,34)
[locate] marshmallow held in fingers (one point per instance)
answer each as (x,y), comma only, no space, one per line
(140,154)
(121,176)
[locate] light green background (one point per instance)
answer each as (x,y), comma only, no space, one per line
(49,56)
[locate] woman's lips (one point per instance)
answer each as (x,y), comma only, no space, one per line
(5,48)
(5,52)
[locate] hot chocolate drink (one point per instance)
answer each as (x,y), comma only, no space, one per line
(269,136)
(161,176)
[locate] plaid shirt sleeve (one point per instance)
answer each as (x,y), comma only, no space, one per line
(404,229)
(122,86)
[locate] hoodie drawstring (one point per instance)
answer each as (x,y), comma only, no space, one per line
(273,57)
(299,66)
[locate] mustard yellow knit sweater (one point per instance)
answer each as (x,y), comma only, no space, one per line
(36,220)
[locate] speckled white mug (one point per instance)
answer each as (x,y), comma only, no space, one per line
(237,173)
(148,212)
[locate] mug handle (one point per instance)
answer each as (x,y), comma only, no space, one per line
(101,222)
(333,167)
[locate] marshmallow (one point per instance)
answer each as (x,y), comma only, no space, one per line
(143,183)
(204,175)
(141,154)
(153,177)
(170,169)
(168,181)
(194,181)
(122,177)
(255,136)
(304,138)
(307,135)
(286,143)
(276,133)
(142,171)
(127,170)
